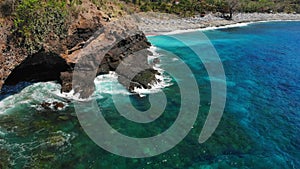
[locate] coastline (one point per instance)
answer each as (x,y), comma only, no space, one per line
(234,25)
(155,24)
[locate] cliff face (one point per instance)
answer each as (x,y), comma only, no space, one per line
(110,44)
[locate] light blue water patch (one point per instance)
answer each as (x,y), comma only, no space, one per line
(262,64)
(259,129)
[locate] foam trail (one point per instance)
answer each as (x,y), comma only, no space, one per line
(31,95)
(205,29)
(109,84)
(163,80)
(38,93)
(155,55)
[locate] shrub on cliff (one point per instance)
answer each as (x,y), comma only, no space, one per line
(6,8)
(37,21)
(191,7)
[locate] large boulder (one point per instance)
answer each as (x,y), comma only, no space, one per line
(93,45)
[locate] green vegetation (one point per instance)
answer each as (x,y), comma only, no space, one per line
(191,7)
(184,8)
(36,21)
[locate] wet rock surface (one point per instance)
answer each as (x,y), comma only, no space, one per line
(118,47)
(94,45)
(53,105)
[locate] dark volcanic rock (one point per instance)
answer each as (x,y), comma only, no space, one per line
(90,49)
(135,71)
(118,47)
(46,105)
(142,79)
(66,81)
(58,105)
(54,105)
(39,67)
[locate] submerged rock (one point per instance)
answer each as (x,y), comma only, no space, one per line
(56,141)
(63,118)
(156,61)
(46,105)
(4,158)
(58,105)
(53,106)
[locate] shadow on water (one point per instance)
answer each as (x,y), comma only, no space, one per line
(40,67)
(8,90)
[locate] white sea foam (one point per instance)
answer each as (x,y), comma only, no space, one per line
(109,84)
(70,95)
(33,96)
(163,80)
(50,92)
(208,28)
(154,55)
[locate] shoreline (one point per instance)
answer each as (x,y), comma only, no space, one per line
(156,24)
(234,25)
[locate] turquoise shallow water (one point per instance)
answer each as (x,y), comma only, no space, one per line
(259,128)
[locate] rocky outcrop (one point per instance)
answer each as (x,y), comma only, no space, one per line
(93,46)
(42,66)
(118,46)
(127,57)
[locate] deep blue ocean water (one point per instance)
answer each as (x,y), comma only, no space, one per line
(259,129)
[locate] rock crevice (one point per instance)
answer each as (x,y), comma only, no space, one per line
(97,48)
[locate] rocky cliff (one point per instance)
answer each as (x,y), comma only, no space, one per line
(112,45)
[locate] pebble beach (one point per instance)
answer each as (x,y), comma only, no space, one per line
(158,23)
